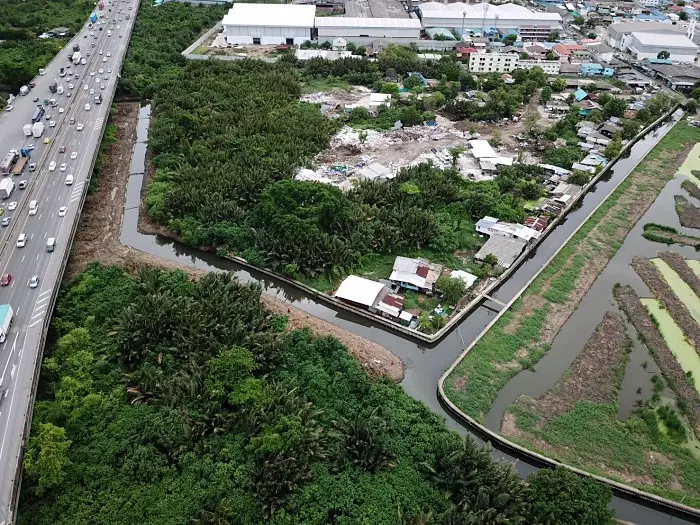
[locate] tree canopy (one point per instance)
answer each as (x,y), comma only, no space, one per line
(167,401)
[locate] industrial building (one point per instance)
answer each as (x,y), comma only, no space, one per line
(619,35)
(649,45)
(488,18)
(329,27)
(269,24)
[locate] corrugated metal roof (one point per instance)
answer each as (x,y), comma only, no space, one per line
(359,290)
(664,40)
(270,15)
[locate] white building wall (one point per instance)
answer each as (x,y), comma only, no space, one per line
(550,67)
(678,54)
(492,62)
(267,35)
(477,24)
(324,33)
(649,3)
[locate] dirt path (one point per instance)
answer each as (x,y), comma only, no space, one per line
(685,272)
(97,239)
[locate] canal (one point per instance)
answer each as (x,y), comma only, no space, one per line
(424,363)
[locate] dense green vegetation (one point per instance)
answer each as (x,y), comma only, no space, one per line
(153,60)
(227,139)
(165,401)
(21,21)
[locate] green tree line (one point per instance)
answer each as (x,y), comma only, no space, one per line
(167,401)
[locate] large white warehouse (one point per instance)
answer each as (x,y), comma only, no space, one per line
(269,23)
(370,28)
(478,17)
(649,45)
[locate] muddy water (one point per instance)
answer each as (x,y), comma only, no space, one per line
(424,364)
(599,299)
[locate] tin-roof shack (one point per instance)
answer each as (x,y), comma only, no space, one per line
(415,274)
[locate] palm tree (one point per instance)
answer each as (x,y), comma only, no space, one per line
(363,443)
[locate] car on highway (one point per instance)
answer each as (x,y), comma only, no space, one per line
(22,240)
(92,91)
(71,86)
(69,180)
(100,51)
(109,70)
(92,73)
(31,147)
(104,59)
(85,36)
(52,166)
(72,121)
(68,94)
(102,86)
(85,87)
(62,211)
(87,107)
(48,116)
(61,110)
(62,149)
(5,222)
(33,281)
(76,76)
(100,72)
(32,166)
(52,124)
(109,54)
(6,279)
(64,166)
(47,140)
(74,155)
(12,206)
(9,107)
(79,127)
(35,99)
(22,185)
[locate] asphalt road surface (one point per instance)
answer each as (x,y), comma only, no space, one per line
(20,353)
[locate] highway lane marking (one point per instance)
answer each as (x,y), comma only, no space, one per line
(39,301)
(37,257)
(35,323)
(9,357)
(12,401)
(22,258)
(12,372)
(40,307)
(45,292)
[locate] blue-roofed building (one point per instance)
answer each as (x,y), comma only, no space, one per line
(596,69)
(580,94)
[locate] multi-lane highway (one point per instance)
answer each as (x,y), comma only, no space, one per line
(76,147)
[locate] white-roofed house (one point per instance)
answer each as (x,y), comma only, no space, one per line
(493,226)
(481,149)
(415,274)
(270,24)
(372,296)
(649,45)
(465,277)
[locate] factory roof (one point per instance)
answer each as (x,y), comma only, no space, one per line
(270,15)
(369,23)
(484,11)
(654,27)
(664,40)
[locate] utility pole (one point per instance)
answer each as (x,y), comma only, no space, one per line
(461,34)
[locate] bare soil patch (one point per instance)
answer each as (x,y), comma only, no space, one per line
(595,374)
(688,213)
(691,188)
(660,289)
(675,376)
(97,239)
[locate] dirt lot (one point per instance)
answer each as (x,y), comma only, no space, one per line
(97,239)
(594,375)
(688,213)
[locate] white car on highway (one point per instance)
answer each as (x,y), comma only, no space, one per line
(92,91)
(92,73)
(52,166)
(104,59)
(69,180)
(22,240)
(62,211)
(109,54)
(12,206)
(71,86)
(52,124)
(79,127)
(74,155)
(100,51)
(64,166)
(10,107)
(101,71)
(60,110)
(87,107)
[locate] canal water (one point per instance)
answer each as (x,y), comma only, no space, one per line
(424,363)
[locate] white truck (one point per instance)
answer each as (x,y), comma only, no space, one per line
(27,130)
(76,58)
(6,188)
(5,321)
(37,129)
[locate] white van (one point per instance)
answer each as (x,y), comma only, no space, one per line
(33,208)
(50,244)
